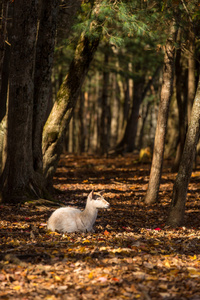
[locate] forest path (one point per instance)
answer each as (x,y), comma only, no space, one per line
(132,254)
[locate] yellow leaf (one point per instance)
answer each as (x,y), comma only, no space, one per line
(90,276)
(86,241)
(54,233)
(17,287)
(57,278)
(167,264)
(31,277)
(82,249)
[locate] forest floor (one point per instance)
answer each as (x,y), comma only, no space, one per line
(131,255)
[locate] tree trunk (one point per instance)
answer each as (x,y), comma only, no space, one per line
(58,121)
(4,81)
(82,125)
(4,56)
(18,174)
(127,143)
(177,208)
(191,73)
(43,70)
(127,97)
(182,105)
(67,15)
(144,117)
(104,132)
(3,27)
(161,128)
(115,109)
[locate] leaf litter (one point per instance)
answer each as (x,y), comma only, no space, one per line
(131,255)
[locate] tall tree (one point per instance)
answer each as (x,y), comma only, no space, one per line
(4,54)
(128,141)
(105,119)
(3,22)
(181,97)
(180,188)
(43,70)
(185,89)
(58,121)
(166,93)
(30,83)
(18,173)
(191,71)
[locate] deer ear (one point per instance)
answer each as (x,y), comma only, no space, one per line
(101,192)
(91,195)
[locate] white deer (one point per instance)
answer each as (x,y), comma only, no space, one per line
(69,219)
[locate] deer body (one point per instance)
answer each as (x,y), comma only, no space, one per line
(68,219)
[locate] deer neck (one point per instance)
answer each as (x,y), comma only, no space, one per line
(89,215)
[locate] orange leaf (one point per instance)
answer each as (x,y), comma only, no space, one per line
(115,279)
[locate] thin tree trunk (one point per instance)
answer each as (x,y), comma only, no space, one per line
(127,98)
(182,105)
(105,110)
(177,208)
(43,70)
(144,117)
(58,121)
(191,73)
(127,143)
(115,108)
(161,128)
(82,125)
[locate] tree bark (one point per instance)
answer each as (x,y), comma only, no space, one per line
(161,128)
(58,121)
(3,27)
(82,125)
(4,56)
(191,73)
(144,117)
(67,15)
(177,209)
(182,109)
(18,172)
(127,142)
(104,128)
(42,79)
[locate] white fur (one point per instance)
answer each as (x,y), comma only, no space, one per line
(68,219)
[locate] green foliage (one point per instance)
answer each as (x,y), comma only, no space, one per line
(132,32)
(116,19)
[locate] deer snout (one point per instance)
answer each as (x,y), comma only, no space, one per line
(107,205)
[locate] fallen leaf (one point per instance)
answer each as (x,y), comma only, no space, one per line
(106,232)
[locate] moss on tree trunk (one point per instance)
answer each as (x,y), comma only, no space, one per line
(60,116)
